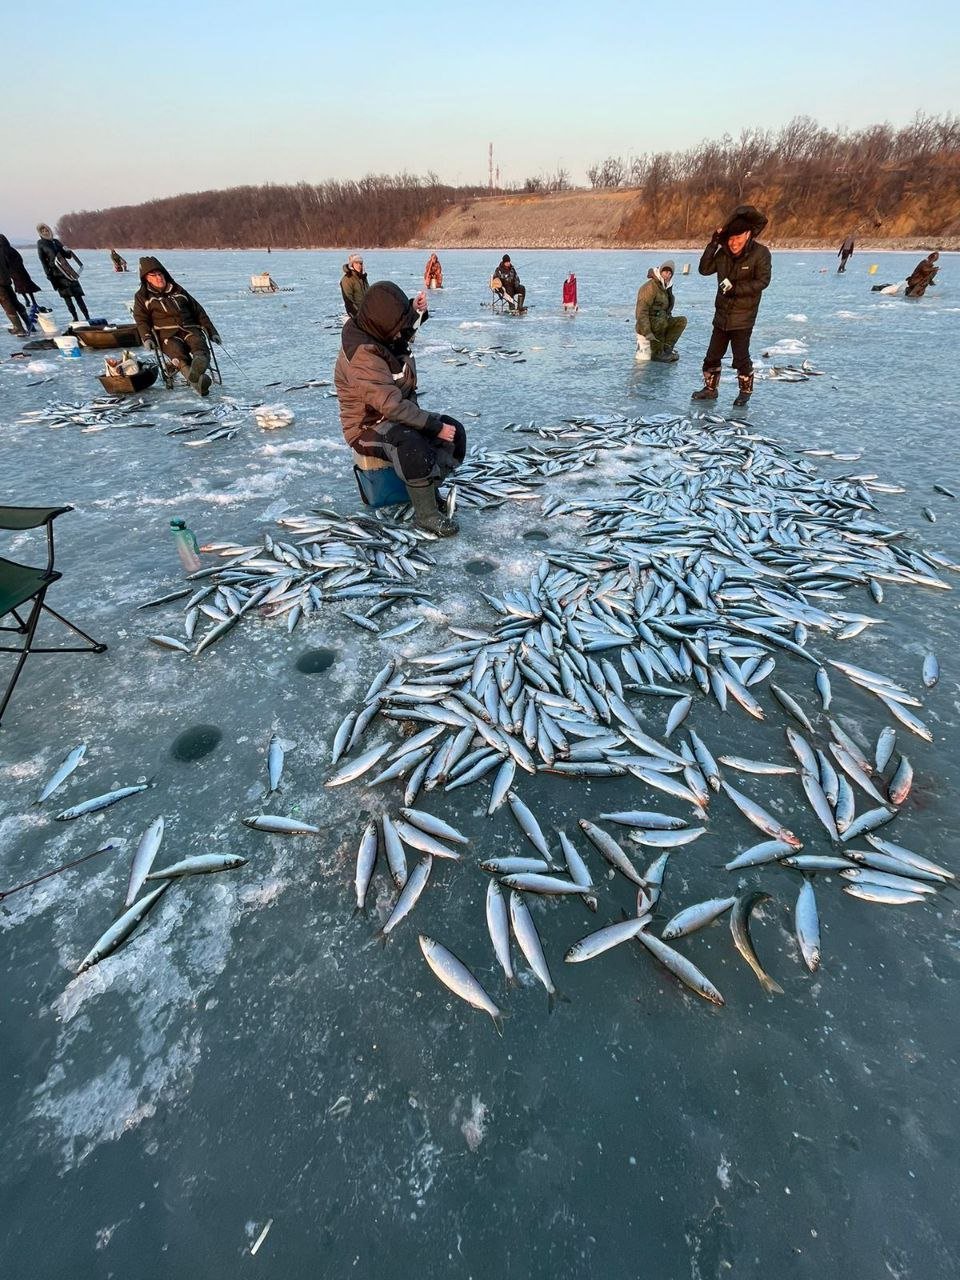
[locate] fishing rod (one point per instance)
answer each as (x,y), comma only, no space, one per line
(27,884)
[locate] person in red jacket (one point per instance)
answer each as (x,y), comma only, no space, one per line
(570,293)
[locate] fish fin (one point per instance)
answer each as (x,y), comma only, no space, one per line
(555,997)
(498,1023)
(771,986)
(360,911)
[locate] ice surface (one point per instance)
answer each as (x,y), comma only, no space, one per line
(192,1073)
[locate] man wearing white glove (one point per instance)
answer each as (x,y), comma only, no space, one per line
(742,267)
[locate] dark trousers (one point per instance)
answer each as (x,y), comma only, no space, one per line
(71,293)
(12,306)
(183,346)
(738,340)
(843,262)
(415,457)
(518,295)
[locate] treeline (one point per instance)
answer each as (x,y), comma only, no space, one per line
(809,180)
(379,209)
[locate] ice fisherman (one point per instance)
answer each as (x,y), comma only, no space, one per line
(12,276)
(169,317)
(119,263)
(506,284)
(844,253)
(376,381)
(65,278)
(923,276)
(570,293)
(353,284)
(433,273)
(742,267)
(656,323)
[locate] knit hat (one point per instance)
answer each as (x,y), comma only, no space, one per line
(668,266)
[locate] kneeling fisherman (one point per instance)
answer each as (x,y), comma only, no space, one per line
(376,381)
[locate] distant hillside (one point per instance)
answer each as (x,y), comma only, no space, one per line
(895,187)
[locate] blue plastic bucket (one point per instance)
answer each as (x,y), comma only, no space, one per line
(381,488)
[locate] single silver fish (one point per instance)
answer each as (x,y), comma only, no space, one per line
(456,977)
(498,926)
(280,826)
(695,917)
(121,928)
(101,802)
(62,772)
(366,861)
(200,864)
(595,944)
(807,921)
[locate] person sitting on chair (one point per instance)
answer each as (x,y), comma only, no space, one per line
(506,284)
(353,284)
(166,315)
(376,381)
(655,319)
(54,259)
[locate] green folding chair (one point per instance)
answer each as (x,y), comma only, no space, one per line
(22,591)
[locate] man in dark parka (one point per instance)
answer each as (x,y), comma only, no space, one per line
(742,267)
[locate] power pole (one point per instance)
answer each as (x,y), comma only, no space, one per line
(490,163)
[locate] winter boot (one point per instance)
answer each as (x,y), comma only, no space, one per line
(667,355)
(711,381)
(198,367)
(426,513)
(745,381)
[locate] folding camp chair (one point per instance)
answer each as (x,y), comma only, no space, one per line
(23,588)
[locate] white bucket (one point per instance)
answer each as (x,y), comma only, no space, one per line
(47,323)
(643,349)
(69,346)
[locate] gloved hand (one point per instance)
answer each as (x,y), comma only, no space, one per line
(725,285)
(717,236)
(215,337)
(149,344)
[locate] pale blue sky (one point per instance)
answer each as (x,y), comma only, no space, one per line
(109,104)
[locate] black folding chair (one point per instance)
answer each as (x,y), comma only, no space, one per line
(23,588)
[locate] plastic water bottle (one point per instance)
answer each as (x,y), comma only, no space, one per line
(187,548)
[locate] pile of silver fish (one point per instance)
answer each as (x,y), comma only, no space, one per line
(722,555)
(368,563)
(219,421)
(479,355)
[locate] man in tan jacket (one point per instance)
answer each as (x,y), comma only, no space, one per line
(376,381)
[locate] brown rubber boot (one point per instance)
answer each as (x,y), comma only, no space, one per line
(745,381)
(711,381)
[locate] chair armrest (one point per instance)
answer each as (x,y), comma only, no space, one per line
(29,517)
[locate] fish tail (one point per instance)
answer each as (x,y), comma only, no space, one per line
(498,1023)
(771,986)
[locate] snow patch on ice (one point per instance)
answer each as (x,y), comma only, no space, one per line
(799,317)
(474,1127)
(723,1172)
(786,347)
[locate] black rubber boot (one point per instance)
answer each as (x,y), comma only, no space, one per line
(426,514)
(745,381)
(666,355)
(711,381)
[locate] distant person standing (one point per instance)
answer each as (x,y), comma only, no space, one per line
(119,264)
(742,267)
(655,319)
(846,251)
(11,304)
(56,263)
(433,273)
(353,284)
(570,293)
(922,277)
(506,283)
